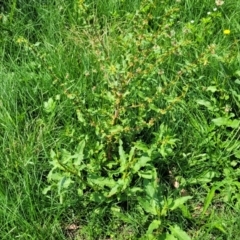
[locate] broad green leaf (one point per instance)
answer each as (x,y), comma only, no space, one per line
(100,181)
(162,151)
(179,233)
(179,202)
(208,200)
(110,96)
(54,176)
(148,174)
(37,44)
(204,103)
(115,209)
(80,192)
(206,178)
(131,154)
(237,81)
(115,129)
(64,183)
(153,226)
(221,121)
(134,190)
(141,146)
(46,190)
(140,163)
(233,123)
(150,188)
(148,205)
(186,213)
(224,121)
(237,154)
(97,197)
(118,186)
(66,156)
(237,73)
(52,154)
(112,164)
(80,117)
(153,107)
(114,190)
(79,155)
(234,163)
(125,182)
(212,89)
(165,206)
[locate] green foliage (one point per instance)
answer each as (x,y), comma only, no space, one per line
(130,115)
(125,111)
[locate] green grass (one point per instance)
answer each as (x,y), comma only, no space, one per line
(158,78)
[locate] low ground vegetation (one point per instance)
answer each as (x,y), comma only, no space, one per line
(119,119)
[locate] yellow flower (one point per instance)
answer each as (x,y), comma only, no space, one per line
(21,40)
(112,69)
(226,32)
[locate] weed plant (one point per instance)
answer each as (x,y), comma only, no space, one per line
(119,119)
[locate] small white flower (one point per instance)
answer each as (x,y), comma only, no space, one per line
(208,13)
(215,9)
(192,21)
(219,2)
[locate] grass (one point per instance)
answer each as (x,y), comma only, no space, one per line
(160,77)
